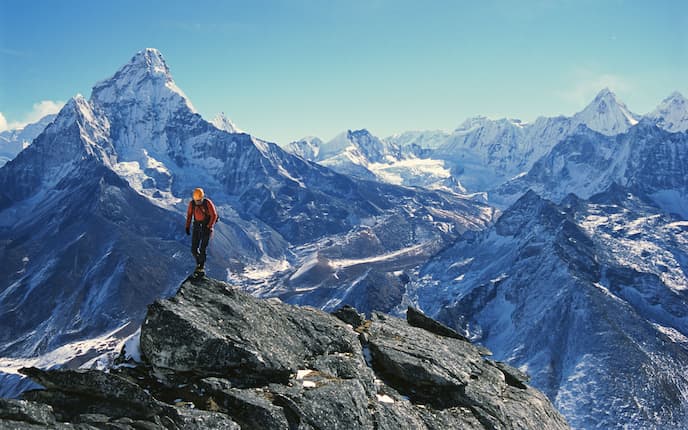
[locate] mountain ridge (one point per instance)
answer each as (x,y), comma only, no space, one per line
(609,270)
(128,159)
(267,364)
(482,153)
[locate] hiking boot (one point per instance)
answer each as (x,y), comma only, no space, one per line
(200,270)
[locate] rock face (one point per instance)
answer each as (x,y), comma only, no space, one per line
(215,357)
(216,330)
(417,319)
(444,373)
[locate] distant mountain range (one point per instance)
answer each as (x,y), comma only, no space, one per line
(13,141)
(576,270)
(360,154)
(481,154)
(646,157)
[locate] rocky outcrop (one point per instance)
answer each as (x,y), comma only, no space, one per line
(443,373)
(215,357)
(214,329)
(26,412)
(417,319)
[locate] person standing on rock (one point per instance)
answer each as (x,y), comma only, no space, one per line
(202,210)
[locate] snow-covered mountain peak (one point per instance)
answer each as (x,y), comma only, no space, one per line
(360,141)
(675,96)
(146,63)
(152,60)
(606,93)
(75,142)
(76,109)
(358,134)
(528,209)
(143,106)
(672,113)
(145,80)
(223,123)
(607,114)
(92,127)
(374,149)
(338,144)
(307,148)
(472,123)
(603,103)
(350,137)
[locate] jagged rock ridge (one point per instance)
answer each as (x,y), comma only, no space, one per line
(215,357)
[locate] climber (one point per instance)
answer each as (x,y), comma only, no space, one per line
(204,216)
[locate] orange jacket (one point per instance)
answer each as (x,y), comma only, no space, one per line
(199,213)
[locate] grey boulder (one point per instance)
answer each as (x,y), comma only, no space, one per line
(215,357)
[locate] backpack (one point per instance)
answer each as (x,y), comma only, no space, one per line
(205,210)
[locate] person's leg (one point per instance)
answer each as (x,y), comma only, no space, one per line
(195,241)
(205,238)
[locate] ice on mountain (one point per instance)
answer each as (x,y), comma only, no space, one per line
(107,342)
(132,347)
(223,123)
(12,142)
(673,334)
(672,113)
(606,114)
(384,398)
(138,80)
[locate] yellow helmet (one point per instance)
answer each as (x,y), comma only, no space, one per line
(198,194)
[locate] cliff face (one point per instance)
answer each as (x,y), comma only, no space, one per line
(215,357)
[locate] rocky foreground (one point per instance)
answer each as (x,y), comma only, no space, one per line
(214,357)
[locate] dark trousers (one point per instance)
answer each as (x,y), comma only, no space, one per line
(199,242)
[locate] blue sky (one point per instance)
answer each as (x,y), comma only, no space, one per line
(282,70)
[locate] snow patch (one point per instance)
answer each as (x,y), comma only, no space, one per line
(306,266)
(300,374)
(411,250)
(132,347)
(672,333)
(384,398)
(99,346)
(264,270)
(410,170)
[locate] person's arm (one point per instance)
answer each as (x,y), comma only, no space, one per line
(189,212)
(213,214)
